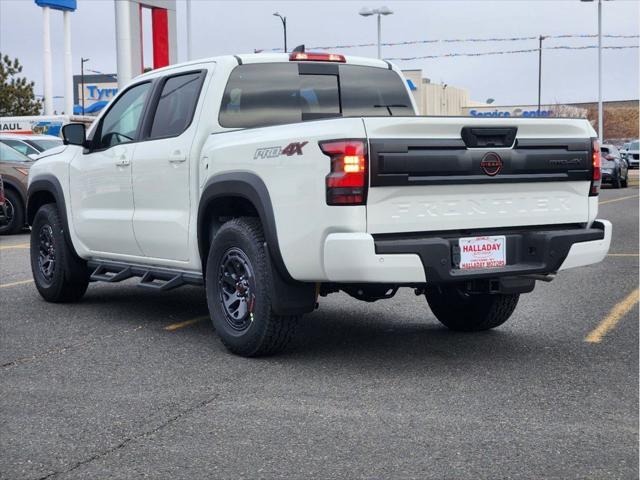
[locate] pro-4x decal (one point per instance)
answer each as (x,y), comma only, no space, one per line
(294,148)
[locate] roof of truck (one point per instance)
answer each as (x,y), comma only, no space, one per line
(269,58)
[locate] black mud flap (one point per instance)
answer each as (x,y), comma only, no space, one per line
(290,298)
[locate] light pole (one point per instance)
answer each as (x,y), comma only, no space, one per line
(82,62)
(367,12)
(46,64)
(189,50)
(284,26)
(600,122)
(540,70)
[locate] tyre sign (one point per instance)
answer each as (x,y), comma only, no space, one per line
(482,252)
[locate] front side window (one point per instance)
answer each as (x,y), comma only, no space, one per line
(176,105)
(259,95)
(120,124)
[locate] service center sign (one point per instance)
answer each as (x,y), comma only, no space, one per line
(483,252)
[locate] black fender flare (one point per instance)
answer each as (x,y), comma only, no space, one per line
(289,297)
(14,186)
(50,184)
(249,187)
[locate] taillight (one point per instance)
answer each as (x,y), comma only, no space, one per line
(347,181)
(596,176)
(316,57)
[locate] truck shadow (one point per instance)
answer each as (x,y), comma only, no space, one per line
(388,340)
(378,333)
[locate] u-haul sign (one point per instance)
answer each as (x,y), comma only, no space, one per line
(41,124)
(15,126)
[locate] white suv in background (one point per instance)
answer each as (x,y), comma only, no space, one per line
(632,154)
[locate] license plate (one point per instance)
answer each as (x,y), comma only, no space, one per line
(483,252)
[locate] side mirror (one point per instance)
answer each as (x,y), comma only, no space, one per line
(74,134)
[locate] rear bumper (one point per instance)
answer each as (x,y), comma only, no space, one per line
(421,258)
(608,177)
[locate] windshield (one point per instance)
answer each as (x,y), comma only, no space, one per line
(634,145)
(8,154)
(44,144)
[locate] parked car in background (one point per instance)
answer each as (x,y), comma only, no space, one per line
(30,145)
(14,169)
(614,169)
(3,205)
(631,154)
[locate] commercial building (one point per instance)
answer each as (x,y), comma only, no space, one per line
(620,117)
(435,98)
(91,93)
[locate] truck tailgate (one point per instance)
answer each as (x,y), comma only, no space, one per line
(453,173)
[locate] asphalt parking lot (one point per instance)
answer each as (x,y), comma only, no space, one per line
(130,383)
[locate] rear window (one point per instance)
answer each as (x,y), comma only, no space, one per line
(259,95)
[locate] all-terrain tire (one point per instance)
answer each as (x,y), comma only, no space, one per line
(59,274)
(239,246)
(467,312)
(16,223)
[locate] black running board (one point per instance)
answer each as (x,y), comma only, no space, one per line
(150,277)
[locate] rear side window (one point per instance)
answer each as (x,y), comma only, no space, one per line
(176,105)
(259,95)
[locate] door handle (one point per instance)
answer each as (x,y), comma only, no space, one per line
(123,161)
(177,157)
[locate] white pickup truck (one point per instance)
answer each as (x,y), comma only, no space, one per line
(275,178)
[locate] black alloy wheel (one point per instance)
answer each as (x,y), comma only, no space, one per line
(237,284)
(46,253)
